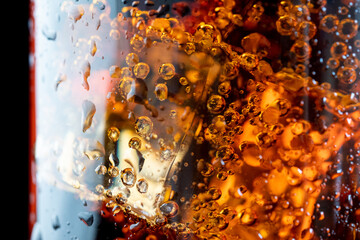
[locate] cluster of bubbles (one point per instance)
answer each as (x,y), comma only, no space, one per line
(266,161)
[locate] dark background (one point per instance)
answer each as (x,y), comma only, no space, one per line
(15,114)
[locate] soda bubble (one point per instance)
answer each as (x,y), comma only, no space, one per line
(142,185)
(167,71)
(128,177)
(189,48)
(132,59)
(205,168)
(225,153)
(166,155)
(348,28)
(137,43)
(251,154)
(113,171)
(216,104)
(101,169)
(169,209)
(99,189)
(285,25)
(329,23)
(126,72)
(113,134)
(248,61)
(133,90)
(247,217)
(338,49)
(224,88)
(141,70)
(306,30)
(143,126)
(135,143)
(346,75)
(302,50)
(161,91)
(183,81)
(214,193)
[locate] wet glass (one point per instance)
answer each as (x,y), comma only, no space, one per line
(195,119)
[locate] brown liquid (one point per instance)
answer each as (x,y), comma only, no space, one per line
(271,91)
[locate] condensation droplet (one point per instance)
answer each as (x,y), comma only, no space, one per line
(86,217)
(88,112)
(55,222)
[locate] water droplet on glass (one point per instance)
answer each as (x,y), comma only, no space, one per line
(50,34)
(86,217)
(88,111)
(85,70)
(75,12)
(93,47)
(55,222)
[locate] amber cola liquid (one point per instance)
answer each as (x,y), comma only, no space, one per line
(197,119)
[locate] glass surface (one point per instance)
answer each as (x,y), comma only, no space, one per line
(196,119)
